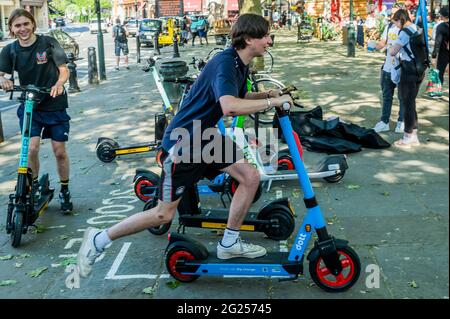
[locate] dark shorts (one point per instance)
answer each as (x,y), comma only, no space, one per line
(53,125)
(121,47)
(178,176)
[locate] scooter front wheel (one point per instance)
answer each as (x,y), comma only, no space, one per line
(173,256)
(17,228)
(106,150)
(351,268)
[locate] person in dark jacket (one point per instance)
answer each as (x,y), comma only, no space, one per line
(440,53)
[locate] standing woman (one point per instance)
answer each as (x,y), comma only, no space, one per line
(409,79)
(441,45)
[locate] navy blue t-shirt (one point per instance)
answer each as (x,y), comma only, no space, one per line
(225,74)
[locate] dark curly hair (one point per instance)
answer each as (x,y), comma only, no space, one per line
(248,26)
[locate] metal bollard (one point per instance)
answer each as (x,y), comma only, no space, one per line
(176,52)
(2,138)
(156,45)
(138,48)
(73,79)
(92,66)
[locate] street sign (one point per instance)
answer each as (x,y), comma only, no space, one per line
(169,8)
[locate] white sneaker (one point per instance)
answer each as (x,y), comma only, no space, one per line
(381,127)
(408,141)
(88,253)
(240,249)
(400,127)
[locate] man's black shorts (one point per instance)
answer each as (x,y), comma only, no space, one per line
(177,176)
(121,47)
(54,125)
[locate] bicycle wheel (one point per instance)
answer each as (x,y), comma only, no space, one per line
(261,85)
(268,62)
(213,53)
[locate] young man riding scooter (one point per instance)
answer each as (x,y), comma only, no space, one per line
(40,61)
(220,90)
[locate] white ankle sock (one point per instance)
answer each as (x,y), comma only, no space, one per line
(230,236)
(101,240)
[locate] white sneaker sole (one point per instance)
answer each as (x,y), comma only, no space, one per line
(256,254)
(83,264)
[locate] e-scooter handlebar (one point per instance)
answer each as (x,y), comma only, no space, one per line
(30,88)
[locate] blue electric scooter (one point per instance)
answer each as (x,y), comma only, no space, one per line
(23,207)
(333,265)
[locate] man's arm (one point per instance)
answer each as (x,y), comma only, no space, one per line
(58,88)
(262,95)
(232,106)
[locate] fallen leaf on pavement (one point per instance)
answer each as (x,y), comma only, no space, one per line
(69,261)
(37,272)
(148,290)
(18,265)
(24,255)
(173,284)
(8,282)
(7,257)
(353,186)
(63,237)
(413,284)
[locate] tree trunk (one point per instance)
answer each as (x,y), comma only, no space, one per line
(252,6)
(249,6)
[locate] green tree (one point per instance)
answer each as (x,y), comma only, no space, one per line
(250,6)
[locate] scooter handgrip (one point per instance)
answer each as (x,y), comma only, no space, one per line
(286,106)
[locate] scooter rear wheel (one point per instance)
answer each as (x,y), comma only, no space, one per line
(172,257)
(351,268)
(162,229)
(145,181)
(17,229)
(335,178)
(285,162)
(286,223)
(105,151)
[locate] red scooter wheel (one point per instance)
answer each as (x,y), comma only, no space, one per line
(351,268)
(172,257)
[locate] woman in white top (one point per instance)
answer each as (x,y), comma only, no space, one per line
(409,80)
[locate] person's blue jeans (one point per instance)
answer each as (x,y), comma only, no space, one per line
(387,88)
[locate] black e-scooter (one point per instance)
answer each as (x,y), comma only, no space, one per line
(333,265)
(22,209)
(275,219)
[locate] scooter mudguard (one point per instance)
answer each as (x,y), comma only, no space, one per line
(316,252)
(332,162)
(101,139)
(268,207)
(196,247)
(143,172)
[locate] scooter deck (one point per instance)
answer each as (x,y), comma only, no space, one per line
(273,264)
(43,202)
(217,218)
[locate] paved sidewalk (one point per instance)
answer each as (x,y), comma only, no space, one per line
(392,205)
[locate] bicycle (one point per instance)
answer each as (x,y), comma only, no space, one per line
(22,209)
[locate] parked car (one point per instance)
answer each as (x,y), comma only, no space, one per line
(132,27)
(67,42)
(59,22)
(148,28)
(93,26)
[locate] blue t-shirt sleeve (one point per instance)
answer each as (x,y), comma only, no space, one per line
(403,39)
(225,81)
